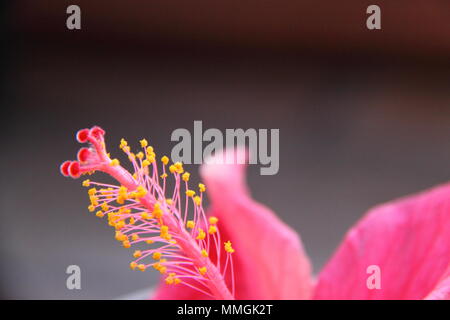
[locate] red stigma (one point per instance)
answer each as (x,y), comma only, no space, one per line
(64,168)
(74,169)
(83,154)
(82,135)
(97,132)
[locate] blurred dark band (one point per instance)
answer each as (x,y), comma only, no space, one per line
(410,29)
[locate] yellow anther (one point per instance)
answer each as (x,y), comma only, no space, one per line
(169,202)
(190,193)
(157,255)
(165,233)
(123,190)
(163,270)
(126,149)
(131,157)
(165,160)
(132,195)
(197,200)
(186,176)
(114,162)
(163,176)
(172,279)
(140,155)
(201,234)
(141,267)
(149,241)
(86,183)
(134,237)
(157,211)
(100,214)
(121,199)
(212,229)
(145,163)
(119,225)
(165,236)
(137,253)
(202,270)
(91,208)
(204,253)
(144,143)
(157,265)
(94,200)
(228,247)
(176,167)
(213,220)
(145,216)
(140,192)
(126,244)
(105,206)
(92,191)
(179,167)
(112,214)
(150,150)
(116,225)
(133,265)
(132,221)
(141,189)
(123,143)
(190,224)
(201,187)
(169,280)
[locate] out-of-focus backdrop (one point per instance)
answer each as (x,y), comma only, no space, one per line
(364,116)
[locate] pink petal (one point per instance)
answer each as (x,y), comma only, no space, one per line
(269,261)
(407,238)
(442,290)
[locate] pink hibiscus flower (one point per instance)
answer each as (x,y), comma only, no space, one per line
(406,240)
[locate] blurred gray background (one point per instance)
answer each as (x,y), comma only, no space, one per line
(363,118)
